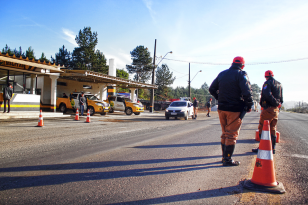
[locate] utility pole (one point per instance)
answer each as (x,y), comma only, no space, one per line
(189,91)
(153,75)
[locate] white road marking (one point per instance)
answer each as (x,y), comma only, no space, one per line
(299,156)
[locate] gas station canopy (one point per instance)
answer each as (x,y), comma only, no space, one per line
(90,76)
(20,64)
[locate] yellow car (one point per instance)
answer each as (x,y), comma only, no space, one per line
(93,104)
(122,103)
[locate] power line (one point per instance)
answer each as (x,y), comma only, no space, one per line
(182,76)
(257,63)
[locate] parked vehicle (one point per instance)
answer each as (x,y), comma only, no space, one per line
(181,108)
(93,104)
(123,103)
(158,105)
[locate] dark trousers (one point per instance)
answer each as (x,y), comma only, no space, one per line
(8,105)
(81,109)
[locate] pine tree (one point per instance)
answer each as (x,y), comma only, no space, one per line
(30,53)
(164,78)
(43,58)
(85,56)
(63,57)
(141,65)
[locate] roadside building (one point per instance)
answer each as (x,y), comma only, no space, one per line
(36,85)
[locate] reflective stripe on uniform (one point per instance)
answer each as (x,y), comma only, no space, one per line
(265,154)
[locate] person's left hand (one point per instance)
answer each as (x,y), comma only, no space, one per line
(279,106)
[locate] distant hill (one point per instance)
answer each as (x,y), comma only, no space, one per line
(289,104)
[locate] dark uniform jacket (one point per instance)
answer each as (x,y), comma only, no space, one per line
(209,103)
(232,89)
(7,93)
(271,94)
(196,103)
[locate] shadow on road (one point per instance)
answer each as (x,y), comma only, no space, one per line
(54,179)
(189,196)
(252,141)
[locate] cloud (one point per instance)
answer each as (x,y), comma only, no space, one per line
(121,59)
(69,36)
(148,4)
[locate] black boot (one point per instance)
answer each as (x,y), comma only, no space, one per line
(223,152)
(255,150)
(273,138)
(196,117)
(228,161)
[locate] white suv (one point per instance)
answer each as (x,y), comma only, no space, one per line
(180,109)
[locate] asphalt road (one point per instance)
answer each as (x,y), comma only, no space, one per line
(119,159)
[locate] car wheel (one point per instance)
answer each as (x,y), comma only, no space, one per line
(129,111)
(63,108)
(137,113)
(167,118)
(186,116)
(92,111)
(111,110)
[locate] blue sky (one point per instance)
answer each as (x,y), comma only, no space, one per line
(208,34)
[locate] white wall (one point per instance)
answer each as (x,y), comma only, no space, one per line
(75,86)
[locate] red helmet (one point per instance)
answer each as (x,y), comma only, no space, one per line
(269,73)
(210,99)
(194,98)
(239,59)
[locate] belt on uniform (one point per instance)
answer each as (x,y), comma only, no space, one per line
(269,107)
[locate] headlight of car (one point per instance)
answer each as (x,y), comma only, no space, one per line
(167,110)
(99,104)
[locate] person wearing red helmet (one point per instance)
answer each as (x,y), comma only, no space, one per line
(271,100)
(208,106)
(232,89)
(195,104)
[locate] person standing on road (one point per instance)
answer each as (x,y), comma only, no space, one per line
(7,95)
(82,103)
(232,89)
(195,104)
(208,106)
(271,100)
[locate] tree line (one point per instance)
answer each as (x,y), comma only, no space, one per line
(86,57)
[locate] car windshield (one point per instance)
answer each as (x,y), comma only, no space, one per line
(178,104)
(91,97)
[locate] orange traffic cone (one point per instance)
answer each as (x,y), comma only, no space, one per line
(88,116)
(257,138)
(277,137)
(40,122)
(77,115)
(263,178)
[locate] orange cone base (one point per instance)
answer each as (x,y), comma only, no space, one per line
(277,137)
(279,189)
(40,124)
(257,138)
